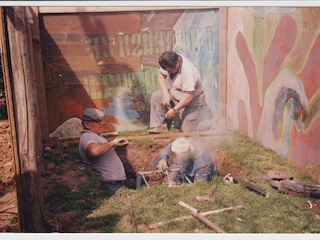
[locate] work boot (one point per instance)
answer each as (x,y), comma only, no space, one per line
(158,130)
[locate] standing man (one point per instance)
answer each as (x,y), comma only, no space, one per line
(99,153)
(180,96)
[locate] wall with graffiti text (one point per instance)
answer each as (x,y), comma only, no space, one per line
(110,61)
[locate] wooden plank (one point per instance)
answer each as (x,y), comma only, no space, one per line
(10,110)
(92,23)
(85,64)
(75,139)
(77,9)
(26,112)
(158,20)
(39,75)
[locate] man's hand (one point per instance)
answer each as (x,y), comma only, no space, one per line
(120,142)
(162,165)
(170,114)
(166,98)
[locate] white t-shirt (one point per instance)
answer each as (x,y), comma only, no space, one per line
(187,80)
(107,167)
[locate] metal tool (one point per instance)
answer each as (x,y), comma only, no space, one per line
(168,178)
(141,175)
(249,186)
(285,184)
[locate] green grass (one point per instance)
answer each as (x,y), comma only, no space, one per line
(101,211)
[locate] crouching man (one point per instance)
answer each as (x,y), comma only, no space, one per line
(185,162)
(99,153)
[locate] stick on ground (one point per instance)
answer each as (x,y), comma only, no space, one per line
(196,214)
(133,219)
(179,219)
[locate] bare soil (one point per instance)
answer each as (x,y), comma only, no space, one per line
(8,199)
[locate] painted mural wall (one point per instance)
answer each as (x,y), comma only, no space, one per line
(110,61)
(273,74)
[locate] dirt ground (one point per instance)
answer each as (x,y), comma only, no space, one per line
(135,158)
(8,199)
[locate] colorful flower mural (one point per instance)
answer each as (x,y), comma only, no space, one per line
(273,79)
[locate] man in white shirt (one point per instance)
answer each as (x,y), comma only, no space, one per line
(180,96)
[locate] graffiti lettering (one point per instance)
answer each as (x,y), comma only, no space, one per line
(94,51)
(130,45)
(99,86)
(149,43)
(107,51)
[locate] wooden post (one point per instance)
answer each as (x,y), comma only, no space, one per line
(25,122)
(8,91)
(223,16)
(38,71)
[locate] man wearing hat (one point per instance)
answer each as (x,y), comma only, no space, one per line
(99,153)
(185,161)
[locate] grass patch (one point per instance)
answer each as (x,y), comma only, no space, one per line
(106,212)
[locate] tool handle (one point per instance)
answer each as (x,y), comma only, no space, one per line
(250,186)
(212,189)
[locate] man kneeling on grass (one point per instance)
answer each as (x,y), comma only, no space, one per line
(99,153)
(185,161)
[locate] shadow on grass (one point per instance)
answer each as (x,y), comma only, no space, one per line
(105,224)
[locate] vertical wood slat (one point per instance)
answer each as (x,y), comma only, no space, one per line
(25,105)
(8,92)
(39,74)
(223,65)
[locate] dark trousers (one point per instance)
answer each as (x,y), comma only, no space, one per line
(111,186)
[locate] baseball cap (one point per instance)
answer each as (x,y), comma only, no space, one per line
(92,114)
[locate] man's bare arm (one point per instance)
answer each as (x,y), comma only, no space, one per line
(185,100)
(98,149)
(162,81)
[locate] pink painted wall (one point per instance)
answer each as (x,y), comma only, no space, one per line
(273,78)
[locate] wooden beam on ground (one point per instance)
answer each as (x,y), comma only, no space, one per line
(179,219)
(133,218)
(75,139)
(171,135)
(195,213)
(250,186)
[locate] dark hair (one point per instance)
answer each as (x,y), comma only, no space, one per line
(168,59)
